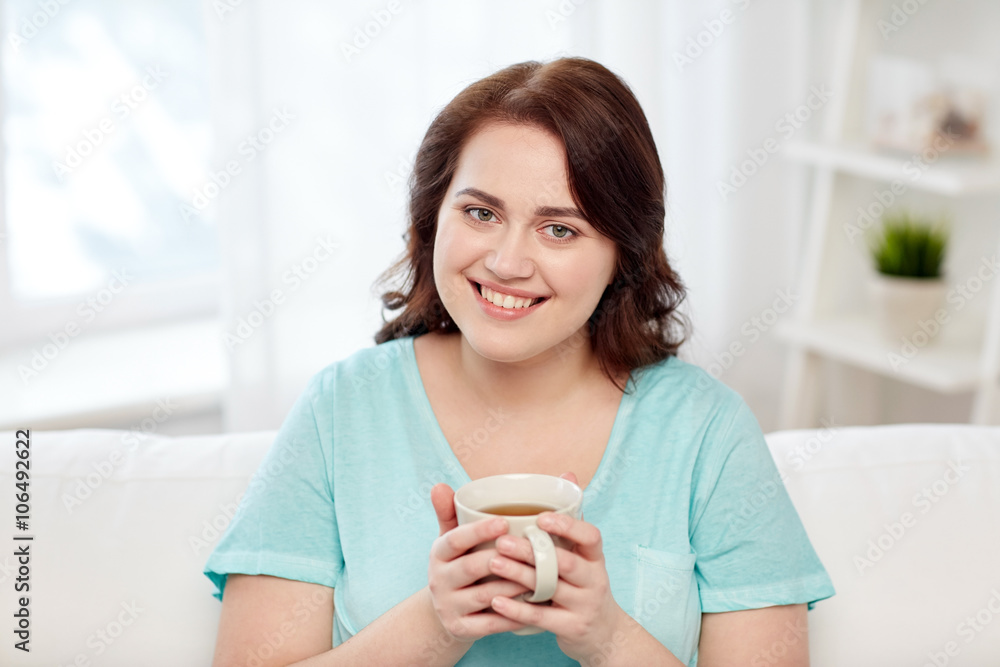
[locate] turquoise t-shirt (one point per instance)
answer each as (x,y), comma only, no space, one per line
(692,512)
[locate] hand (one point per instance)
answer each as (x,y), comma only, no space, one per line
(462,605)
(584,616)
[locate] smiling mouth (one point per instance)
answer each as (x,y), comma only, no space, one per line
(515,303)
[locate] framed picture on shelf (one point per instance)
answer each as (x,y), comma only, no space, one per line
(912,105)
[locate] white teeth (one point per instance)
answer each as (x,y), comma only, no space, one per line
(504,300)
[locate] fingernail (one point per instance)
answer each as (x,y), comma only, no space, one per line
(497,524)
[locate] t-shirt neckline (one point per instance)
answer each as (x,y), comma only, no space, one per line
(591,493)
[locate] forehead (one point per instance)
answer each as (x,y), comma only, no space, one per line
(521,164)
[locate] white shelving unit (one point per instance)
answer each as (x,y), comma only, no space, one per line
(965,360)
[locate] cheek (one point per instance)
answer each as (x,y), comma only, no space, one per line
(443,249)
(584,277)
(453,249)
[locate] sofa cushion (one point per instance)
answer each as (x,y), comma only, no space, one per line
(906,520)
(122,523)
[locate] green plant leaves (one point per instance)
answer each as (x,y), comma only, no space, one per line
(910,246)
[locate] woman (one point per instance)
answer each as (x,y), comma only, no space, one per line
(538,332)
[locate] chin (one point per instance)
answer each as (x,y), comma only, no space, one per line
(501,346)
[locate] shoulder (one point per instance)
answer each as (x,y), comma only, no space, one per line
(369,368)
(681,398)
(677,380)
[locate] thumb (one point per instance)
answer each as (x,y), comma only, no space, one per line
(570,476)
(443,499)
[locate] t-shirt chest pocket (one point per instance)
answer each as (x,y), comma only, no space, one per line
(666,599)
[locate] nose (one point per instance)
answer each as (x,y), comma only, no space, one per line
(511,257)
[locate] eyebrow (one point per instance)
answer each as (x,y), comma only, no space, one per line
(541,211)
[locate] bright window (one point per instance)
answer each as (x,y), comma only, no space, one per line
(107,136)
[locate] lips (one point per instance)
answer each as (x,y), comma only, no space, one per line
(500,313)
(488,292)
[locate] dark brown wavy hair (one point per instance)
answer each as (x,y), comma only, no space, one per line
(615,178)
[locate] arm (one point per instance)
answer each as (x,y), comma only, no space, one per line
(276,620)
(768,637)
(264,616)
(270,621)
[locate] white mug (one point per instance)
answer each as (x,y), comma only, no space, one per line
(554,493)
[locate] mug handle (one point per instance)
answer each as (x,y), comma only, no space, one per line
(546,566)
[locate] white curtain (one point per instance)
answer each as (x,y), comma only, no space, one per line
(343,93)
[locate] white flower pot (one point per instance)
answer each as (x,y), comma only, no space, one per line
(901,304)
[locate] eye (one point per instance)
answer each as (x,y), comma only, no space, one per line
(561,231)
(481,214)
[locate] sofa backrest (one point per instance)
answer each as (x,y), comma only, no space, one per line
(906,520)
(122,523)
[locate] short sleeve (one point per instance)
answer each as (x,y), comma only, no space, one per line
(286,524)
(751,548)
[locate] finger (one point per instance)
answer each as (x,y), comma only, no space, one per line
(573,569)
(514,570)
(473,599)
(551,618)
(586,536)
(443,499)
(460,539)
(468,569)
(481,624)
(571,477)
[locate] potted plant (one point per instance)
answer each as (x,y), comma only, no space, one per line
(909,287)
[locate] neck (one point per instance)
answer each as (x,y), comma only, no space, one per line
(533,385)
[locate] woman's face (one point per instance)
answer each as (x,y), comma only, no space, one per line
(508,222)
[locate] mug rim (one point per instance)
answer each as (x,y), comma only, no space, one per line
(569,507)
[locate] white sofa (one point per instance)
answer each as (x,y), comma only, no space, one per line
(905,518)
